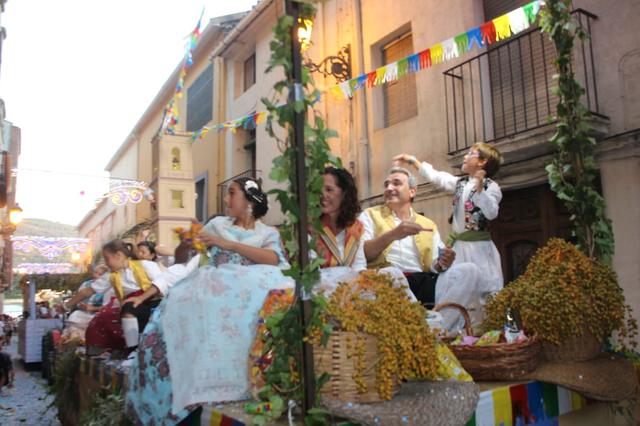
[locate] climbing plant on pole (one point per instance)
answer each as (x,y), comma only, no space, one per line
(305,153)
(573,172)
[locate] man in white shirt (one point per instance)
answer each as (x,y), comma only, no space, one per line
(395,235)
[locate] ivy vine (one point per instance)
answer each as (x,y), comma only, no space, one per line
(573,172)
(283,377)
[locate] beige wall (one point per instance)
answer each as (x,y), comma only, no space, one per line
(616,47)
(423,135)
(240,103)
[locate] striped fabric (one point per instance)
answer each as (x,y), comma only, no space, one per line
(211,417)
(533,403)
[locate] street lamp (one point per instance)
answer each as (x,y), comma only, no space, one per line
(15,215)
(338,66)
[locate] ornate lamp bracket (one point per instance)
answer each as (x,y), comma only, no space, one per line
(338,66)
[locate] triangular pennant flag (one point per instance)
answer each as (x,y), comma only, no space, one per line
(425,59)
(462,41)
(414,62)
(362,81)
(353,84)
(488,31)
(518,20)
(380,74)
(474,35)
(503,27)
(437,54)
(371,79)
(531,11)
(449,49)
(346,90)
(403,67)
(391,73)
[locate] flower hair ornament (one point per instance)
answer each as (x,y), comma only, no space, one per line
(252,189)
(251,184)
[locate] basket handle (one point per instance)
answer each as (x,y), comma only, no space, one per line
(463,311)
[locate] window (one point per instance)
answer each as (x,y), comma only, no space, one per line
(201,199)
(250,72)
(175,159)
(200,100)
(399,97)
(176,199)
(250,147)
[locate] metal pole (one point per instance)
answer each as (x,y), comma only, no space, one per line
(297,142)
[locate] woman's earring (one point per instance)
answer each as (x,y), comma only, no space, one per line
(250,210)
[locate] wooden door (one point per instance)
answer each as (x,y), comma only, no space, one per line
(528,218)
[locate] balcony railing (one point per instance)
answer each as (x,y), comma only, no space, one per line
(508,89)
(222,186)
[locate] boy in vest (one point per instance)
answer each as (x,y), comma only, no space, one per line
(476,201)
(395,235)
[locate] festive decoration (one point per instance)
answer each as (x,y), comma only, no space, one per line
(171,115)
(373,305)
(488,33)
(50,247)
(247,122)
(530,403)
(562,294)
(44,268)
(123,191)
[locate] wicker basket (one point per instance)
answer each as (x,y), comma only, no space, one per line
(499,361)
(335,360)
(582,347)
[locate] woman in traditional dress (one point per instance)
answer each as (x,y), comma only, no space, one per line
(340,242)
(196,345)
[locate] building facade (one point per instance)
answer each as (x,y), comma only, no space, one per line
(500,94)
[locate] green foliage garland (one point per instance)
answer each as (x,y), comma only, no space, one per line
(573,170)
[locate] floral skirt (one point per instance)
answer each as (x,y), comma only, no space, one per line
(196,346)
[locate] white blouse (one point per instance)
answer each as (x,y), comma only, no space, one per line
(129,283)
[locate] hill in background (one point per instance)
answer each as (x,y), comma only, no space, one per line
(45,228)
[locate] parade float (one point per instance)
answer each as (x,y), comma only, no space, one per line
(366,355)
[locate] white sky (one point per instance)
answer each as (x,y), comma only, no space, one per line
(76,75)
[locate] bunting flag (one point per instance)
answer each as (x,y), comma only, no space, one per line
(497,29)
(171,115)
(528,403)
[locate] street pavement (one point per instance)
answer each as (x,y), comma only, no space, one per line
(26,403)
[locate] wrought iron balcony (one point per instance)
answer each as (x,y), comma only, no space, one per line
(222,186)
(508,89)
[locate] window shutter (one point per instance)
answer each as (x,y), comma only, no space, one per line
(399,97)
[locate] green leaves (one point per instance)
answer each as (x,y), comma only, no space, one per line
(286,334)
(573,170)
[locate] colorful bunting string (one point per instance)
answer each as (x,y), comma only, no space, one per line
(171,114)
(488,33)
(497,29)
